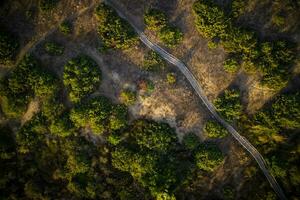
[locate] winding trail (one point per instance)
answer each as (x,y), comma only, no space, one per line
(30,46)
(200,92)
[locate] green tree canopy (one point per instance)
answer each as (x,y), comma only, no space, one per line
(81,76)
(114,31)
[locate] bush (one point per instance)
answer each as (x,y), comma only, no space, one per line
(231,65)
(8,47)
(170,35)
(81,76)
(53,48)
(171,78)
(155,19)
(208,157)
(214,130)
(128,97)
(65,27)
(47,5)
(229,105)
(114,31)
(153,62)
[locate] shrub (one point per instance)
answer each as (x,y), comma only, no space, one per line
(114,31)
(170,35)
(81,76)
(65,27)
(47,5)
(153,62)
(171,78)
(229,105)
(128,97)
(215,130)
(155,19)
(8,47)
(208,157)
(231,65)
(53,48)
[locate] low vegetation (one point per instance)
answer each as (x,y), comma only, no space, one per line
(65,28)
(171,78)
(214,130)
(81,76)
(114,31)
(47,5)
(53,48)
(9,46)
(153,62)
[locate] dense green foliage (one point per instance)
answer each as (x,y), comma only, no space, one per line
(24,82)
(53,48)
(81,76)
(208,157)
(8,47)
(191,141)
(65,28)
(274,131)
(229,105)
(100,115)
(170,35)
(114,31)
(47,5)
(214,130)
(271,58)
(148,155)
(128,97)
(153,62)
(156,20)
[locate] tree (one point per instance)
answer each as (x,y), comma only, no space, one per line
(208,157)
(81,76)
(65,28)
(94,113)
(215,130)
(114,31)
(9,45)
(153,135)
(118,117)
(210,20)
(229,105)
(171,78)
(231,65)
(23,83)
(191,141)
